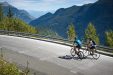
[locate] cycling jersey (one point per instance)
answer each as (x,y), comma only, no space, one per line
(78,42)
(92,43)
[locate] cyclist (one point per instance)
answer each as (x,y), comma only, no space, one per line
(91,45)
(77,44)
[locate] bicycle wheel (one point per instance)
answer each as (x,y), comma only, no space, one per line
(72,51)
(96,55)
(80,54)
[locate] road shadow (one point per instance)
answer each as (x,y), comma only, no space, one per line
(69,57)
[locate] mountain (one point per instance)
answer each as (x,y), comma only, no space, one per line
(22,14)
(99,13)
(37,13)
(43,19)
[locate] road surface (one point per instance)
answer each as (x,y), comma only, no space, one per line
(44,57)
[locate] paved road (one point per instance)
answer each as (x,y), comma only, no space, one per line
(43,57)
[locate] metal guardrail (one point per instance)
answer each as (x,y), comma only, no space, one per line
(104,47)
(35,36)
(49,39)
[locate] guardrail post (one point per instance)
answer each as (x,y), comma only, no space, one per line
(1,53)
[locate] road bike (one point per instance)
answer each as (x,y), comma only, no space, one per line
(79,53)
(92,52)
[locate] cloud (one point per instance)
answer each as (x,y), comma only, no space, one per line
(46,5)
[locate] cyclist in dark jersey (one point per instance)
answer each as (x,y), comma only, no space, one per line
(91,45)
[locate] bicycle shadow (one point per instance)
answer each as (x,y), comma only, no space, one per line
(68,57)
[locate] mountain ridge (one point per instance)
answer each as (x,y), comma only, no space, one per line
(21,14)
(99,13)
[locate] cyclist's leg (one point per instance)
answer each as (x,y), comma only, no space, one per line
(79,47)
(88,47)
(77,50)
(92,50)
(74,48)
(80,53)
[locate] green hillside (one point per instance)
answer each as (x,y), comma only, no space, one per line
(47,32)
(14,24)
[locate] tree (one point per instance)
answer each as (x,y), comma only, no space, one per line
(109,38)
(90,32)
(10,17)
(71,32)
(9,14)
(14,24)
(1,12)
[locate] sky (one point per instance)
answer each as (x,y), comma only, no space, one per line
(39,7)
